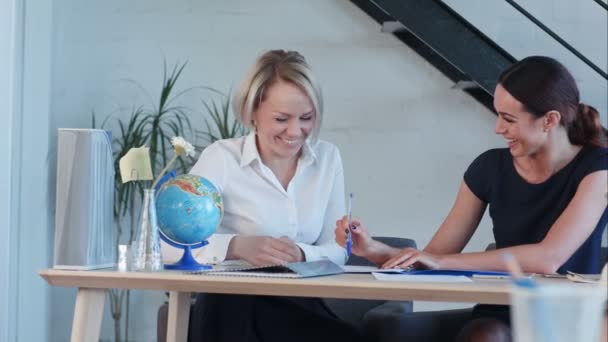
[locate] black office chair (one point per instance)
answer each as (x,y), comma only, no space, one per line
(354,310)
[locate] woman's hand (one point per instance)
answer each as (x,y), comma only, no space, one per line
(362,242)
(411,257)
(264,250)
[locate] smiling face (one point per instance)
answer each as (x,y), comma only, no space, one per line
(525,133)
(283,120)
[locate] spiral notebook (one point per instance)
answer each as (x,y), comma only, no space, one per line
(305,269)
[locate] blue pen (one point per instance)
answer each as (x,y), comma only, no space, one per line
(349,239)
(540,311)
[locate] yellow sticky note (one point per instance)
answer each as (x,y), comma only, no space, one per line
(135,165)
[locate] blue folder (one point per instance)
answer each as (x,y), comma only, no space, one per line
(452,272)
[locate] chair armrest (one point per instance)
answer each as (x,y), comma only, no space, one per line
(396,308)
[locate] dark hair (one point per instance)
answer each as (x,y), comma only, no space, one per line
(543,84)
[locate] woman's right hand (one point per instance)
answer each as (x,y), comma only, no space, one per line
(362,241)
(264,250)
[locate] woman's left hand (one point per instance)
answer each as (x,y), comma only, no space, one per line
(412,257)
(297,251)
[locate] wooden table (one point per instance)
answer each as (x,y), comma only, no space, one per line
(92,286)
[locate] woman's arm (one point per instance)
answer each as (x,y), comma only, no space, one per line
(460,224)
(363,244)
(325,246)
(452,236)
(572,228)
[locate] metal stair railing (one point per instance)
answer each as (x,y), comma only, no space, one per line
(559,39)
(601,3)
(424,25)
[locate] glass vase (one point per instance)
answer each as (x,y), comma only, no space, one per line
(146,249)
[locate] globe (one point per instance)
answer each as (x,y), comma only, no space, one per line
(189,209)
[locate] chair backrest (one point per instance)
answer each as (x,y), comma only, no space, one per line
(391,241)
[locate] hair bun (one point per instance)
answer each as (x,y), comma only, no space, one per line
(587,127)
(583,109)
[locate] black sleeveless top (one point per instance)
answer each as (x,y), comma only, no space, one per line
(523,213)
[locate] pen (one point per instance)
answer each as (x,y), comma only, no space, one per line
(491,276)
(517,275)
(539,308)
(349,238)
(556,275)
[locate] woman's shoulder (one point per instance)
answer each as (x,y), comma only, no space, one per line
(231,146)
(322,148)
(595,152)
(495,153)
(492,157)
(593,158)
(326,154)
(325,151)
(481,175)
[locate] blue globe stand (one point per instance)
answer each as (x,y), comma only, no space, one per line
(187,262)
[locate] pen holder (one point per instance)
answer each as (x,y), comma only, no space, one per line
(557,313)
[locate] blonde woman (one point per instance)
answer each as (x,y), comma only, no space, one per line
(283,190)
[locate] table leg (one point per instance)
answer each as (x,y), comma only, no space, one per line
(88,313)
(179,316)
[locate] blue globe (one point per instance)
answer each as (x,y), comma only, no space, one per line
(189,208)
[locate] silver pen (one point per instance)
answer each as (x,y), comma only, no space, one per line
(349,239)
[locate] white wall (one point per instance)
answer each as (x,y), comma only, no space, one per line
(378,92)
(405,136)
(24,231)
(33,154)
(583,24)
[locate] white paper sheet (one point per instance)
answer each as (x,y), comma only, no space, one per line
(421,278)
(583,278)
(367,269)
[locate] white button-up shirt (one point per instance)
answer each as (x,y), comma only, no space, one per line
(255,202)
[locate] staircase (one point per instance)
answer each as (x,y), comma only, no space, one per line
(452,44)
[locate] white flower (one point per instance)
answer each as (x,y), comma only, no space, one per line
(182,146)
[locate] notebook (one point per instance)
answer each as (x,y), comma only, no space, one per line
(410,271)
(305,269)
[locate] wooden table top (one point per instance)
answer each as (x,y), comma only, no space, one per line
(356,286)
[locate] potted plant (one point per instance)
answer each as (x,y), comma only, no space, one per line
(153,126)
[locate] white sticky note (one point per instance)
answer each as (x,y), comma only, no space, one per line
(135,165)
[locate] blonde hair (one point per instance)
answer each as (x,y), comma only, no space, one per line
(273,65)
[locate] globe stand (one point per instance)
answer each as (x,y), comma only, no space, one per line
(187,262)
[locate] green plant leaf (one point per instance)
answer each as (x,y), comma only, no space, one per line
(219,123)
